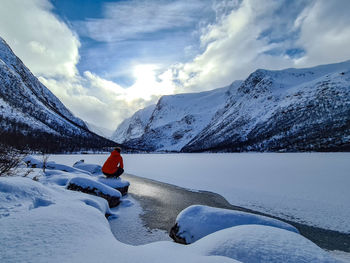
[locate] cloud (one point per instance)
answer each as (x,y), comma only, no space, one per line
(232,48)
(95,100)
(268,34)
(42,41)
(324,32)
(131,19)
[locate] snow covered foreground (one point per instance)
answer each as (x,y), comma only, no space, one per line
(44,222)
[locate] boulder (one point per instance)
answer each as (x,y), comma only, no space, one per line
(93,187)
(197,221)
(116,183)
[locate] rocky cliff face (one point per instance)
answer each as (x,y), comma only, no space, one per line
(31,115)
(285,110)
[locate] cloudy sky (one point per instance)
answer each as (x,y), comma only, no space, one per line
(105,59)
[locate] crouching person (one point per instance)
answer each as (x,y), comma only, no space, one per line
(113,166)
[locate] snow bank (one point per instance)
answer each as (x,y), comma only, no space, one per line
(257,244)
(81,169)
(36,163)
(198,221)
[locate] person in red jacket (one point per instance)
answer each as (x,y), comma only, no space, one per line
(113,166)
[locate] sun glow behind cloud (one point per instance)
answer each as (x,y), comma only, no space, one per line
(146,76)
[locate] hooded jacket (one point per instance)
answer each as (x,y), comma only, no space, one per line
(111,164)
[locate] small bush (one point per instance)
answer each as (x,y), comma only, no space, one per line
(9,159)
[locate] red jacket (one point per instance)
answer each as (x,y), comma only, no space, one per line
(111,164)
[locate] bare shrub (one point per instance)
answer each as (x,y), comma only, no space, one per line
(9,159)
(45,159)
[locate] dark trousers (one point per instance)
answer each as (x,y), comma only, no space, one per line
(119,172)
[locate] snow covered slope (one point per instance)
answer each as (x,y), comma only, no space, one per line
(175,120)
(133,127)
(29,112)
(104,132)
(286,110)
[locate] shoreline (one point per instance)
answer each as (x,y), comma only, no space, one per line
(162,202)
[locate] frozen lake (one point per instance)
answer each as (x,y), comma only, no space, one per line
(310,188)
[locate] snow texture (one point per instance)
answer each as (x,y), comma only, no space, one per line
(258,244)
(113,182)
(198,221)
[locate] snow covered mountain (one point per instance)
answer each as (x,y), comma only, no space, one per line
(31,115)
(134,126)
(284,110)
(174,121)
(104,132)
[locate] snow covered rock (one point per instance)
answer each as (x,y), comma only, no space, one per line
(93,187)
(117,183)
(197,221)
(91,168)
(259,244)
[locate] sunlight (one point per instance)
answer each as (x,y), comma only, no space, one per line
(148,82)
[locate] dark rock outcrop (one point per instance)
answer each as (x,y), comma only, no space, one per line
(173,233)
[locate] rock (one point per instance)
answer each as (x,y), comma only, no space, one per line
(92,187)
(174,231)
(117,183)
(198,221)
